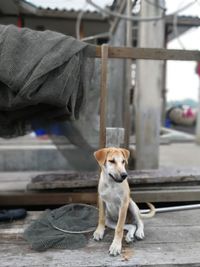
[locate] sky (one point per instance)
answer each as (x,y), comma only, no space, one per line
(181,80)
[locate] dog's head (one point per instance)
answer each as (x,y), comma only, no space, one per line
(112,161)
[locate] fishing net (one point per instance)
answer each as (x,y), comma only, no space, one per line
(63,228)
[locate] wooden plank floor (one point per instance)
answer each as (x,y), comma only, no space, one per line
(171,239)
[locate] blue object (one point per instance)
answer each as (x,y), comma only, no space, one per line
(10,215)
(51,129)
(168,123)
(40,131)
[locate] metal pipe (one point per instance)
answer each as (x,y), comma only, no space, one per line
(175,208)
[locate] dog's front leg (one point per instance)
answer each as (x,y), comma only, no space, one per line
(98,234)
(116,245)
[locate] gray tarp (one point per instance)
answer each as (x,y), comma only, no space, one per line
(43,76)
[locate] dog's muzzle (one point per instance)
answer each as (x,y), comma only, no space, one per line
(122,177)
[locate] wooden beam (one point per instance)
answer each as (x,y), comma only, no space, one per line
(72,180)
(46,198)
(164,185)
(103,95)
(166,195)
(148,53)
(183,21)
(24,199)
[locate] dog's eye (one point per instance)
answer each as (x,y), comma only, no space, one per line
(123,161)
(112,161)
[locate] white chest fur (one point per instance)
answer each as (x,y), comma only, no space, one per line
(112,194)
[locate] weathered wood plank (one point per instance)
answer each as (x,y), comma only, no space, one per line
(153,235)
(90,179)
(53,180)
(159,255)
(103,95)
(48,198)
(114,136)
(171,240)
(150,53)
(155,185)
(189,218)
(165,195)
(90,196)
(171,219)
(64,180)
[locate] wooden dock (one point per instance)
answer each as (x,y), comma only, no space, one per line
(171,239)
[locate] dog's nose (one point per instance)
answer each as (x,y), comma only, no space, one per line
(123,175)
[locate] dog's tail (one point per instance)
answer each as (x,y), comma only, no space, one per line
(151,213)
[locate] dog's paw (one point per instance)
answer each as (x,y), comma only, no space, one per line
(99,233)
(129,237)
(115,248)
(139,234)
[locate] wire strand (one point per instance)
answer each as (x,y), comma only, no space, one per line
(106,12)
(116,14)
(78,21)
(156,5)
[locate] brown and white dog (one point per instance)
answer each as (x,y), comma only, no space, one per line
(116,208)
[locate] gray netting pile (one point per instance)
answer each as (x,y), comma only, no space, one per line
(42,233)
(43,77)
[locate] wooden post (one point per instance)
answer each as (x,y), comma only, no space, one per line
(148,89)
(116,79)
(103,95)
(127,88)
(114,137)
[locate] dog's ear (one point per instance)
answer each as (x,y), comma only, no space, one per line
(100,155)
(125,153)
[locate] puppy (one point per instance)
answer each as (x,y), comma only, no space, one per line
(116,209)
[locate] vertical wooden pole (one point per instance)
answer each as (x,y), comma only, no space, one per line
(127,119)
(116,79)
(148,89)
(103,95)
